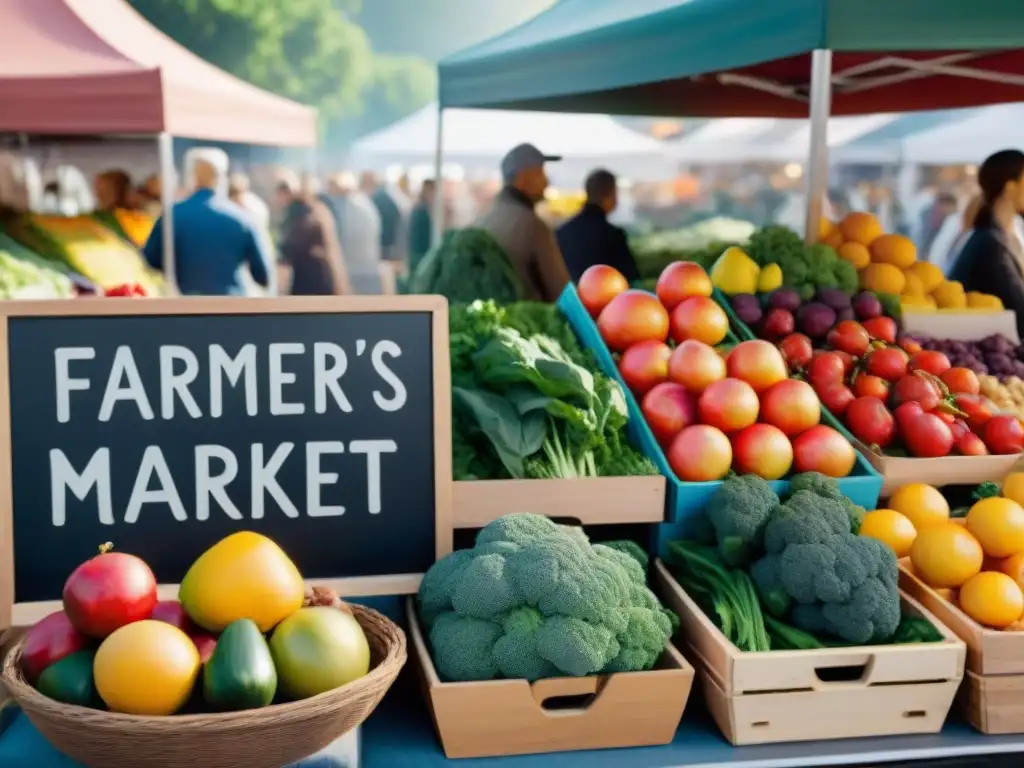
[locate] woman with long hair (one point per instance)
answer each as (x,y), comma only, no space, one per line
(992,259)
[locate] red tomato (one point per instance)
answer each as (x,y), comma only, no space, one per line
(969,444)
(681,280)
(822,449)
(49,641)
(791,405)
(668,409)
(881,328)
(699,454)
(847,359)
(1004,434)
(836,397)
(889,363)
(909,345)
(598,286)
(171,612)
(961,380)
(959,428)
(759,363)
(776,324)
(906,413)
(946,416)
(645,364)
(870,421)
(978,409)
(694,364)
(916,389)
(866,385)
(729,405)
(825,368)
(762,449)
(632,317)
(931,361)
(797,350)
(850,337)
(926,435)
(109,591)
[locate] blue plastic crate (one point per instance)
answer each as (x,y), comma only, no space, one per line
(685,500)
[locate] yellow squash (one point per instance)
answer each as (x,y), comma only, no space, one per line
(734,272)
(245,576)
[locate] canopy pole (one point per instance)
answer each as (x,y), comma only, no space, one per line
(437,215)
(168,185)
(817,160)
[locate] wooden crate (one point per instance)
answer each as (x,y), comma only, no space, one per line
(945,470)
(992,695)
(781,696)
(591,500)
(508,717)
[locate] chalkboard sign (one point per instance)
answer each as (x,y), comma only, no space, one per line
(164,425)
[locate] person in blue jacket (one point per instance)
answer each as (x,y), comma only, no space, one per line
(588,238)
(214,238)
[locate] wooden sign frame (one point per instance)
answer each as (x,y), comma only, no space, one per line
(24,614)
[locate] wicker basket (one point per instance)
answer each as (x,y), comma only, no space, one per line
(260,738)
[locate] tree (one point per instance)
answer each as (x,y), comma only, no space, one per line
(306,50)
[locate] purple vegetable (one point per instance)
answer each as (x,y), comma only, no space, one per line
(846,313)
(816,319)
(867,306)
(784,298)
(833,297)
(747,308)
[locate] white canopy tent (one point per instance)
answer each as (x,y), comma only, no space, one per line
(477,139)
(762,140)
(968,141)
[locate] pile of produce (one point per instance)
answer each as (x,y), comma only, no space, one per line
(85,246)
(901,400)
(806,268)
(887,263)
(701,243)
(793,573)
(115,647)
(534,599)
(996,355)
(23,274)
(468,264)
(529,403)
(776,315)
(1006,394)
(712,411)
(976,562)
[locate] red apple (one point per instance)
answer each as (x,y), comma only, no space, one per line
(645,364)
(598,286)
(762,449)
(49,641)
(790,405)
(822,449)
(759,363)
(632,317)
(108,591)
(681,280)
(777,324)
(171,612)
(668,409)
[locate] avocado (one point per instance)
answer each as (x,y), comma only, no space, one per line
(240,673)
(69,681)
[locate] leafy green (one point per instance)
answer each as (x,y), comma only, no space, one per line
(468,264)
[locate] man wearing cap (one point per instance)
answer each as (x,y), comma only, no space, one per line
(514,224)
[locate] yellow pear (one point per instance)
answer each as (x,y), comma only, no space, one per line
(244,576)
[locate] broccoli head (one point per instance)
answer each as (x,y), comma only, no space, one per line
(826,486)
(738,512)
(535,599)
(822,578)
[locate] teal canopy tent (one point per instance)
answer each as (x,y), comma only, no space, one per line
(749,58)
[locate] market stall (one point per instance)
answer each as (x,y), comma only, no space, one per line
(96,67)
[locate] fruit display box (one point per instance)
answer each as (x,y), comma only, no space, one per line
(685,500)
(495,718)
(944,470)
(590,500)
(992,695)
(831,693)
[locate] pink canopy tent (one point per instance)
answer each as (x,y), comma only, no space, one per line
(97,67)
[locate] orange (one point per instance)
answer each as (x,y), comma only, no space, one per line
(834,239)
(860,226)
(825,227)
(1013,566)
(855,253)
(912,285)
(945,555)
(992,598)
(929,274)
(1013,487)
(890,528)
(922,504)
(897,250)
(146,668)
(998,525)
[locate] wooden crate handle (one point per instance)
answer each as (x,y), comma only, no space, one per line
(857,670)
(557,687)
